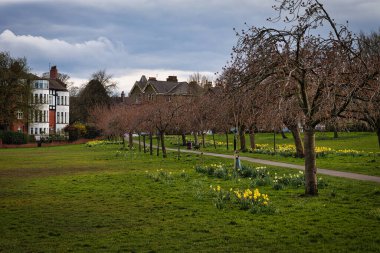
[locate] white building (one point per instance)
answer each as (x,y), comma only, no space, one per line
(51,98)
(39,118)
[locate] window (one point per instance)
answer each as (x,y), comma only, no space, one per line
(44,98)
(40,130)
(35,116)
(41,101)
(65,100)
(57,117)
(35,98)
(35,130)
(65,117)
(50,99)
(44,117)
(31,98)
(62,117)
(57,100)
(19,115)
(40,116)
(62,100)
(31,130)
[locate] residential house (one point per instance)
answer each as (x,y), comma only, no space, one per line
(152,89)
(50,98)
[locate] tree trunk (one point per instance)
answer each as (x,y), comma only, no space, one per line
(163,148)
(235,142)
(227,139)
(195,138)
(311,188)
(130,136)
(252,137)
(139,142)
(297,141)
(213,139)
(150,144)
(378,135)
(335,132)
(122,136)
(184,139)
(158,144)
(203,139)
(243,146)
(179,148)
(144,143)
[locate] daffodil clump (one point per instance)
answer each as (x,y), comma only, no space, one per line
(245,200)
(221,197)
(258,176)
(216,170)
(160,176)
(100,143)
(226,172)
(290,150)
(252,200)
(295,180)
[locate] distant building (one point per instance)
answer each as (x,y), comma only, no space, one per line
(152,89)
(50,98)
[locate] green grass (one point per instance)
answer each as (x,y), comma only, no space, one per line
(361,141)
(81,199)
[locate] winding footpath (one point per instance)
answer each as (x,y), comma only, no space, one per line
(288,165)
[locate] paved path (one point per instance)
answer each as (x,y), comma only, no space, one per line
(288,165)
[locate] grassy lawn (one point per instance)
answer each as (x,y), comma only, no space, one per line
(368,162)
(103,199)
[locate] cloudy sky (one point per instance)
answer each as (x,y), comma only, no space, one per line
(129,38)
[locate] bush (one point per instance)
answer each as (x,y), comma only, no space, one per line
(91,132)
(74,132)
(14,138)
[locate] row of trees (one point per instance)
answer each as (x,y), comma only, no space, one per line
(315,72)
(295,77)
(15,89)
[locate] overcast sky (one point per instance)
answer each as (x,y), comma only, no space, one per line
(152,37)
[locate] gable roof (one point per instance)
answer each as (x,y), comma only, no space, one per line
(168,87)
(163,87)
(55,84)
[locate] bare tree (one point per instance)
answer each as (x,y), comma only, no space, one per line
(322,74)
(106,80)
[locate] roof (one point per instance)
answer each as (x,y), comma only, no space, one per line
(162,87)
(169,87)
(55,84)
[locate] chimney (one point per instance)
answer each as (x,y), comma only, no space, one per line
(172,79)
(53,72)
(152,79)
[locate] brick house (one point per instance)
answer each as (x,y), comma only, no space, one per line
(152,89)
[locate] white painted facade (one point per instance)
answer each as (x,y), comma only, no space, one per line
(62,110)
(52,109)
(39,118)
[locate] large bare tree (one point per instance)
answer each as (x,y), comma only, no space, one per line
(317,76)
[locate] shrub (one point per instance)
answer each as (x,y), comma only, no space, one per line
(74,132)
(14,138)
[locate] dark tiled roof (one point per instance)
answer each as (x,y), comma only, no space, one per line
(179,89)
(167,87)
(163,87)
(55,84)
